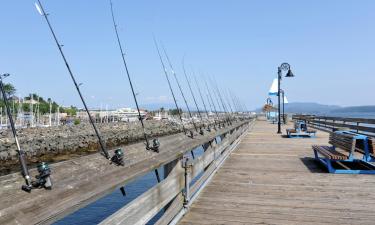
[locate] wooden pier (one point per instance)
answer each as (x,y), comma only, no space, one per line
(251,176)
(269,179)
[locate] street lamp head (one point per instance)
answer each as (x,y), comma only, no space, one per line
(289,74)
(4,75)
(285,66)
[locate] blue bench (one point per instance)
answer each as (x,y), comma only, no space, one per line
(340,157)
(300,130)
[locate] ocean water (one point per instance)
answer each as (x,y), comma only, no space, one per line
(96,212)
(352,115)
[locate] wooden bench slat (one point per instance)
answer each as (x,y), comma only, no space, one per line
(330,153)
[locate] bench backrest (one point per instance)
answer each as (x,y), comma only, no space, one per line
(343,141)
(371,145)
(300,125)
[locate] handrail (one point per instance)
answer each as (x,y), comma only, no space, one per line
(177,189)
(358,125)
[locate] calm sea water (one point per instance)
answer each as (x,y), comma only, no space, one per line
(106,206)
(353,115)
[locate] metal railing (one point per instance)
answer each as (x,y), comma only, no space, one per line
(327,123)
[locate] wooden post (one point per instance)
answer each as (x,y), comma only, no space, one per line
(357,127)
(167,170)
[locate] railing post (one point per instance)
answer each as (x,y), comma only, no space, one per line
(186,164)
(357,127)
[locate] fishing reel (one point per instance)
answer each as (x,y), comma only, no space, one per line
(208,128)
(43,179)
(201,132)
(155,145)
(118,157)
(191,134)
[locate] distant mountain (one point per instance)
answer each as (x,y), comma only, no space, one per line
(308,108)
(321,109)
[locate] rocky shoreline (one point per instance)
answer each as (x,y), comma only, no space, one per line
(53,144)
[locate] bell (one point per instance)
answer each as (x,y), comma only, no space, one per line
(289,74)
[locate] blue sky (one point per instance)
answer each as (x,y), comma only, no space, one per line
(329,44)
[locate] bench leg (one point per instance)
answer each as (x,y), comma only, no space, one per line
(316,154)
(326,162)
(329,166)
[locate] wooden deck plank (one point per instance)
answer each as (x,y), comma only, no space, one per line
(274,180)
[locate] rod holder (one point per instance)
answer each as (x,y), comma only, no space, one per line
(186,164)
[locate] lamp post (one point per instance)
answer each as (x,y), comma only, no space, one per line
(282,67)
(283,96)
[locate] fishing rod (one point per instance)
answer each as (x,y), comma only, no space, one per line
(238,102)
(234,102)
(226,95)
(155,143)
(204,104)
(118,158)
(43,179)
(220,106)
(192,94)
(212,106)
(222,102)
(239,105)
(170,86)
(213,103)
(235,99)
(179,86)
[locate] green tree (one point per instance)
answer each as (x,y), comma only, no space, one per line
(9,89)
(72,111)
(174,112)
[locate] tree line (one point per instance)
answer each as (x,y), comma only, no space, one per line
(42,105)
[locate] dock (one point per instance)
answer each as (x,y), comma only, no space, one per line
(269,179)
(251,175)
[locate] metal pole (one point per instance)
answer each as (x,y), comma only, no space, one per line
(279,101)
(283,106)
